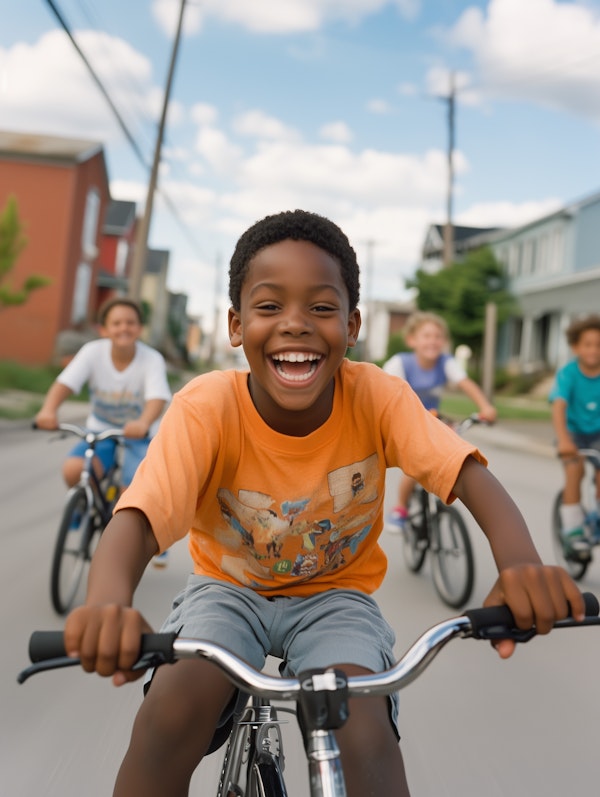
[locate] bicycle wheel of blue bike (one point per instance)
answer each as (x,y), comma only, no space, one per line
(452,563)
(575,567)
(414,554)
(71,551)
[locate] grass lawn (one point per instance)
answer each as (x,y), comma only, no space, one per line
(35,381)
(457,406)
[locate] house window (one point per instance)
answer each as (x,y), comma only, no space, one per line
(543,265)
(81,294)
(513,263)
(121,257)
(90,224)
(556,251)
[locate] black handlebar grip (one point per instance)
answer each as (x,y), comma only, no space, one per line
(44,645)
(154,648)
(494,621)
(157,648)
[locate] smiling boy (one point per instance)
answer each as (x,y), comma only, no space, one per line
(260,467)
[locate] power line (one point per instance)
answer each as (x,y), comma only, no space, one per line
(128,135)
(100,85)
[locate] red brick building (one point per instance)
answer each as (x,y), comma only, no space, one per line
(62,192)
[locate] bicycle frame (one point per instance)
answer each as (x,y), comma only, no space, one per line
(93,485)
(89,480)
(87,510)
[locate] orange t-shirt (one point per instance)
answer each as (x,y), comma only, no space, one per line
(289,515)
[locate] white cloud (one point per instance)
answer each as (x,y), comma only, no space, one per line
(204,114)
(257,124)
(217,150)
(542,51)
(339,132)
(408,89)
(35,76)
(379,106)
(166,13)
(275,16)
(507,214)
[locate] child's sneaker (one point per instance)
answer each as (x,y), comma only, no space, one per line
(398,520)
(160,560)
(576,545)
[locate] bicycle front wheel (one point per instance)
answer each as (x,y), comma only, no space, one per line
(71,550)
(266,779)
(414,542)
(452,563)
(575,567)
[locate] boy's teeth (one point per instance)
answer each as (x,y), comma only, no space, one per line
(296,357)
(302,365)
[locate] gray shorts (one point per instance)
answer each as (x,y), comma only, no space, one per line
(339,626)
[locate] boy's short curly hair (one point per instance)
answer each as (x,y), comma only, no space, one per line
(119,301)
(576,328)
(298,225)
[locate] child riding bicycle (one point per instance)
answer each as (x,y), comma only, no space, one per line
(575,398)
(128,388)
(278,475)
(428,368)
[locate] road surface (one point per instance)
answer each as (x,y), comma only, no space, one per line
(472,725)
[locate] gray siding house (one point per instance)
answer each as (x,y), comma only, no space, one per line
(553,270)
(553,266)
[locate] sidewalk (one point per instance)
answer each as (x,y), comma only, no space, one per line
(533,437)
(70,411)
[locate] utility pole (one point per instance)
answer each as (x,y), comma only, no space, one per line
(448,227)
(369,330)
(141,242)
(212,358)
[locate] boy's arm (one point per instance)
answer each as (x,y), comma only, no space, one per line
(487,411)
(141,426)
(47,417)
(564,441)
(105,632)
(537,594)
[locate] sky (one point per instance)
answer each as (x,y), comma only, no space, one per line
(335,106)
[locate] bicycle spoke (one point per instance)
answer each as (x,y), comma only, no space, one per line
(452,565)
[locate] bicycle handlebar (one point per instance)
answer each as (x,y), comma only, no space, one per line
(46,651)
(85,434)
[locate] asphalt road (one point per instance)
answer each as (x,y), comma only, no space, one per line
(472,725)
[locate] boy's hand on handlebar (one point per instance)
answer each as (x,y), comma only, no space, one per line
(106,639)
(46,420)
(488,414)
(537,595)
(135,429)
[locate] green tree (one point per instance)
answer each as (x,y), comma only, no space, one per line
(12,243)
(460,293)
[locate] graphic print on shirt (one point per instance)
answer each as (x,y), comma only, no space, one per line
(302,536)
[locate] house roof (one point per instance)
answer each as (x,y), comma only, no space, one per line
(464,238)
(60,150)
(33,145)
(464,233)
(157,260)
(119,218)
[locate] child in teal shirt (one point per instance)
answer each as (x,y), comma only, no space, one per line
(575,399)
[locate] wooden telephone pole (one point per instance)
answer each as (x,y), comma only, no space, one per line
(449,227)
(138,264)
